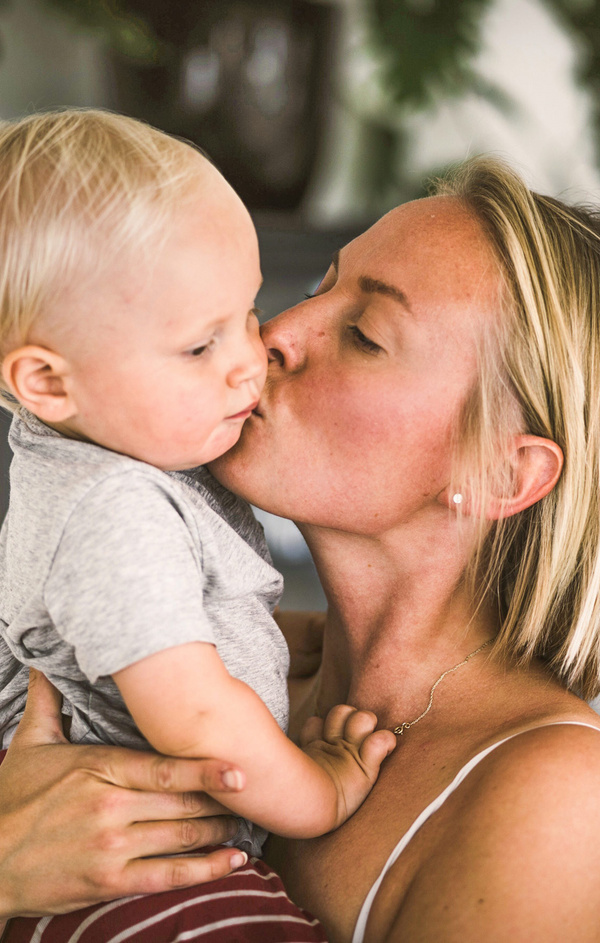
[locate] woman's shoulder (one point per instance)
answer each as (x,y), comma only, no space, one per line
(548,773)
(564,752)
(521,846)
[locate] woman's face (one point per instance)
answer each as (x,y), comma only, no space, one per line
(366,377)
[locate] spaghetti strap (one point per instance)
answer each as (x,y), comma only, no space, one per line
(361,923)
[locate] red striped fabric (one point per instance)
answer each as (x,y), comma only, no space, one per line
(248,906)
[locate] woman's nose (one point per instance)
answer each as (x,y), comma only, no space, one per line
(284,340)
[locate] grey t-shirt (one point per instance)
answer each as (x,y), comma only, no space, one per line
(105,560)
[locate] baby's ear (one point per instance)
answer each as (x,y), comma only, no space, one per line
(38,378)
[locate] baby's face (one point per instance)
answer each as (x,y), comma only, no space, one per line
(168,363)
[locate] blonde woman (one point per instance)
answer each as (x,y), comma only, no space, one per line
(432,421)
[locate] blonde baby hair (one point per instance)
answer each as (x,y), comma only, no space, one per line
(78,190)
(539,374)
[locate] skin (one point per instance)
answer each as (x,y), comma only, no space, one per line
(166,362)
(503,860)
(105,814)
(514,854)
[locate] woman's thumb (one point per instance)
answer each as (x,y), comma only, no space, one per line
(42,721)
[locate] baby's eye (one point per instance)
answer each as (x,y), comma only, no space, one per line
(201,349)
(362,341)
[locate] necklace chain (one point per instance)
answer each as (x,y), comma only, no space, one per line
(405,725)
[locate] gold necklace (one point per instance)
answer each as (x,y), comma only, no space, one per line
(405,725)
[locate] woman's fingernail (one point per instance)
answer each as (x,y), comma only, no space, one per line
(233,779)
(238,859)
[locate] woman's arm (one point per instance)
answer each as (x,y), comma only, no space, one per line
(518,858)
(186,703)
(82,824)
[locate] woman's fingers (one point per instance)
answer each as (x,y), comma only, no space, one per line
(42,721)
(138,806)
(183,835)
(155,875)
(152,772)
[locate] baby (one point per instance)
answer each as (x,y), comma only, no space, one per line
(131,355)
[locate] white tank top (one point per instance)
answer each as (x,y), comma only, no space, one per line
(361,923)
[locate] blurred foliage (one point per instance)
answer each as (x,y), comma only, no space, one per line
(428,50)
(428,46)
(122,25)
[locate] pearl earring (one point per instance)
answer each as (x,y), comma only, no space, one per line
(457,498)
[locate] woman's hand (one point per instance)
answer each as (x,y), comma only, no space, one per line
(83,824)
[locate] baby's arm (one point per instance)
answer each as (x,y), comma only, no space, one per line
(186,703)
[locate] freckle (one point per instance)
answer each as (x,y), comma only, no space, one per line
(369,564)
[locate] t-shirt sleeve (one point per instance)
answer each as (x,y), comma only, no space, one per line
(126,580)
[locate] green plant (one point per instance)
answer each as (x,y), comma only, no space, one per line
(122,25)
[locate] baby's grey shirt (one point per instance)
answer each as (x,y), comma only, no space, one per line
(105,560)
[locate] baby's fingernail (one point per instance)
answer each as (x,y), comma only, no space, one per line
(233,779)
(239,859)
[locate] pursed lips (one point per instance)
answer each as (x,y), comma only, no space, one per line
(244,413)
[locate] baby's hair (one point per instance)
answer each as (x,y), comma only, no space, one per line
(539,374)
(78,189)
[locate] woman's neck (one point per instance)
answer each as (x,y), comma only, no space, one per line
(399,615)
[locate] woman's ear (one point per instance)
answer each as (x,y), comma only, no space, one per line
(37,378)
(535,464)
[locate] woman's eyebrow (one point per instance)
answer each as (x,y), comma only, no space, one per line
(376,286)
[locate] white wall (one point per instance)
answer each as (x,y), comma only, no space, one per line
(45,62)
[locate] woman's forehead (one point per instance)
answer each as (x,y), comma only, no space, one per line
(434,248)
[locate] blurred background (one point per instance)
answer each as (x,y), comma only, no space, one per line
(323,114)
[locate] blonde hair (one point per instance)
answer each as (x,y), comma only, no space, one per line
(540,374)
(78,188)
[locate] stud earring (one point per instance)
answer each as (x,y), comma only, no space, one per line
(457,498)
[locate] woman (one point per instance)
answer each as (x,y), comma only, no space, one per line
(431,421)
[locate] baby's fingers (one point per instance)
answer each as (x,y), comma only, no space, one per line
(312,730)
(376,747)
(348,723)
(334,724)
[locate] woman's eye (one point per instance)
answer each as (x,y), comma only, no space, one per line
(362,341)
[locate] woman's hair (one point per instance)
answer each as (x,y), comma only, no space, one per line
(78,190)
(539,374)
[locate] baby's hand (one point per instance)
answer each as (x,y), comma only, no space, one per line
(349,748)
